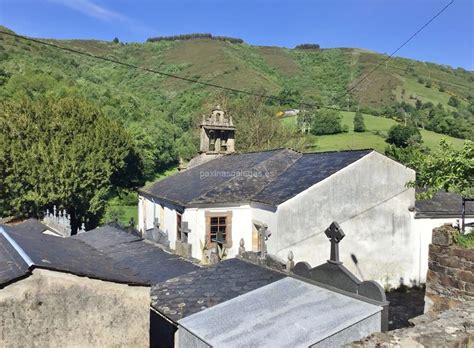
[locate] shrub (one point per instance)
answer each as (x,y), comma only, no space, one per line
(403,136)
(359,124)
(453,101)
(326,122)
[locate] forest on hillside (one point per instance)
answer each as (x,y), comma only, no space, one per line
(131,121)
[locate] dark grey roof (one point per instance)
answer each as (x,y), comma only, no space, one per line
(270,177)
(12,266)
(27,226)
(148,262)
(443,204)
(191,293)
(68,255)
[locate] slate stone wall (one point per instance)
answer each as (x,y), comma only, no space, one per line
(53,309)
(450,278)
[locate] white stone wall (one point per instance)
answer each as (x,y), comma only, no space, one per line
(370,201)
(196,218)
(424,227)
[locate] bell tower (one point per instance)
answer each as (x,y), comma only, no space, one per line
(217,133)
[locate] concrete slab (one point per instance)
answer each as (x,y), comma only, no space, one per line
(289,313)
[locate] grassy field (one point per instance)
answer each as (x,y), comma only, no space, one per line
(125,208)
(374,136)
(123,213)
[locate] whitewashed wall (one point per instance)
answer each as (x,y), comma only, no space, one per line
(196,218)
(424,227)
(241,226)
(371,202)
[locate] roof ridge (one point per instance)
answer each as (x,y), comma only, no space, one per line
(337,151)
(277,176)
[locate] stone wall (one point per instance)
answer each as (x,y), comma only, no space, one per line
(449,329)
(53,309)
(450,278)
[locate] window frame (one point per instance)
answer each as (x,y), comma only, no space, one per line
(228,227)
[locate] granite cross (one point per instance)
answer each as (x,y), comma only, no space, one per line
(335,234)
(264,235)
(184,231)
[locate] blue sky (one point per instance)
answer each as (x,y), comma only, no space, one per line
(379,25)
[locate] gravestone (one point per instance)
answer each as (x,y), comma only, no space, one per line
(334,274)
(183,248)
(157,235)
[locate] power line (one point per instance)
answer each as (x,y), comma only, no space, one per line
(230,89)
(398,49)
(118,62)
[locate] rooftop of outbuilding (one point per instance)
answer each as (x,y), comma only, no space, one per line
(193,292)
(148,262)
(443,205)
(38,250)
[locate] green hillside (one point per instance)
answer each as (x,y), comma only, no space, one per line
(165,109)
(374,136)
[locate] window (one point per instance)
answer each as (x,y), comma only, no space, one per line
(178,226)
(218,224)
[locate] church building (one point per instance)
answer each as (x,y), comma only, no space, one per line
(281,201)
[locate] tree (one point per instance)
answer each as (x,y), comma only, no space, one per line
(326,121)
(403,136)
(359,124)
(257,127)
(453,101)
(62,152)
(447,169)
(418,104)
(116,40)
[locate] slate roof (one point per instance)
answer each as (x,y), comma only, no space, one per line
(28,226)
(443,204)
(64,255)
(270,177)
(180,297)
(148,262)
(12,266)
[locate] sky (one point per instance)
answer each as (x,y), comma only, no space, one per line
(378,25)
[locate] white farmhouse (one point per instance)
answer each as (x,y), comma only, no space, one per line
(295,196)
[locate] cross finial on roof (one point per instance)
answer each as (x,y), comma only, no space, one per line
(335,234)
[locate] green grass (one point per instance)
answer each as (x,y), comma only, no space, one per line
(374,137)
(123,214)
(126,207)
(466,240)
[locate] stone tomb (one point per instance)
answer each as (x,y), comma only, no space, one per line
(286,313)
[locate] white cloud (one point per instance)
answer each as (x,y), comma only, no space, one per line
(91,9)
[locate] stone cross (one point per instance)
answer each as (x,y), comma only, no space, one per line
(219,238)
(335,234)
(264,234)
(184,231)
